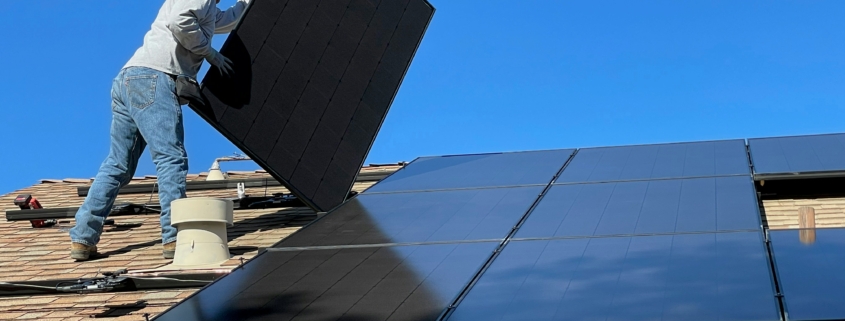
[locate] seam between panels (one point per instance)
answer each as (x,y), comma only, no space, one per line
(486,265)
(773,273)
(578,237)
(330,287)
(651,179)
(427,276)
(360,246)
(450,189)
(370,290)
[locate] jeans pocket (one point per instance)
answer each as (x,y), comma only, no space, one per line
(141,90)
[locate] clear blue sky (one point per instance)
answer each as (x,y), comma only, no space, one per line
(489,76)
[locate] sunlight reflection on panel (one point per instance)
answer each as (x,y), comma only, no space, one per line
(376,283)
(673,277)
(812,274)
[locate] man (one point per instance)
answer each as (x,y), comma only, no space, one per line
(146,111)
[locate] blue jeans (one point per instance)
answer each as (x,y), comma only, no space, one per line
(145,111)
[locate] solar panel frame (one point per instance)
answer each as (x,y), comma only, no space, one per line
(322,169)
(794,157)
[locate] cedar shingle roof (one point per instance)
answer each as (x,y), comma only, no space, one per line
(28,254)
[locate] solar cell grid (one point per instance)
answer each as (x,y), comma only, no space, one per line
(645,207)
(721,276)
(459,215)
(798,156)
(378,283)
(662,161)
(313,83)
(476,171)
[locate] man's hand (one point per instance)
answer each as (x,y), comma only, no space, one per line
(218,60)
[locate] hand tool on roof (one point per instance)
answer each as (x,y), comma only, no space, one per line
(27,202)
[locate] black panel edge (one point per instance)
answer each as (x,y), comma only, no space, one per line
(743,140)
(798,175)
(240,145)
(794,136)
(478,274)
(396,92)
(651,179)
(380,245)
(571,150)
(774,274)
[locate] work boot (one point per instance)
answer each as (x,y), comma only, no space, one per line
(169,250)
(82,252)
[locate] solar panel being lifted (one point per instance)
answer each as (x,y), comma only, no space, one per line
(313,83)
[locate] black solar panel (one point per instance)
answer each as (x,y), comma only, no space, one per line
(476,171)
(645,207)
(642,162)
(375,283)
(722,276)
(420,217)
(810,265)
(313,83)
(789,157)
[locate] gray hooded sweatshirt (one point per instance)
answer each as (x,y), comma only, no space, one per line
(180,37)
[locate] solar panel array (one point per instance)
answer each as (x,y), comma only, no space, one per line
(403,250)
(312,85)
(667,231)
(505,236)
(647,232)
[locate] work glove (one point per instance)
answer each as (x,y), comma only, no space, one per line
(216,59)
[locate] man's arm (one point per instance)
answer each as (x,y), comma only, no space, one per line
(184,23)
(227,20)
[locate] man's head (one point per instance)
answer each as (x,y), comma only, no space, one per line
(218,1)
